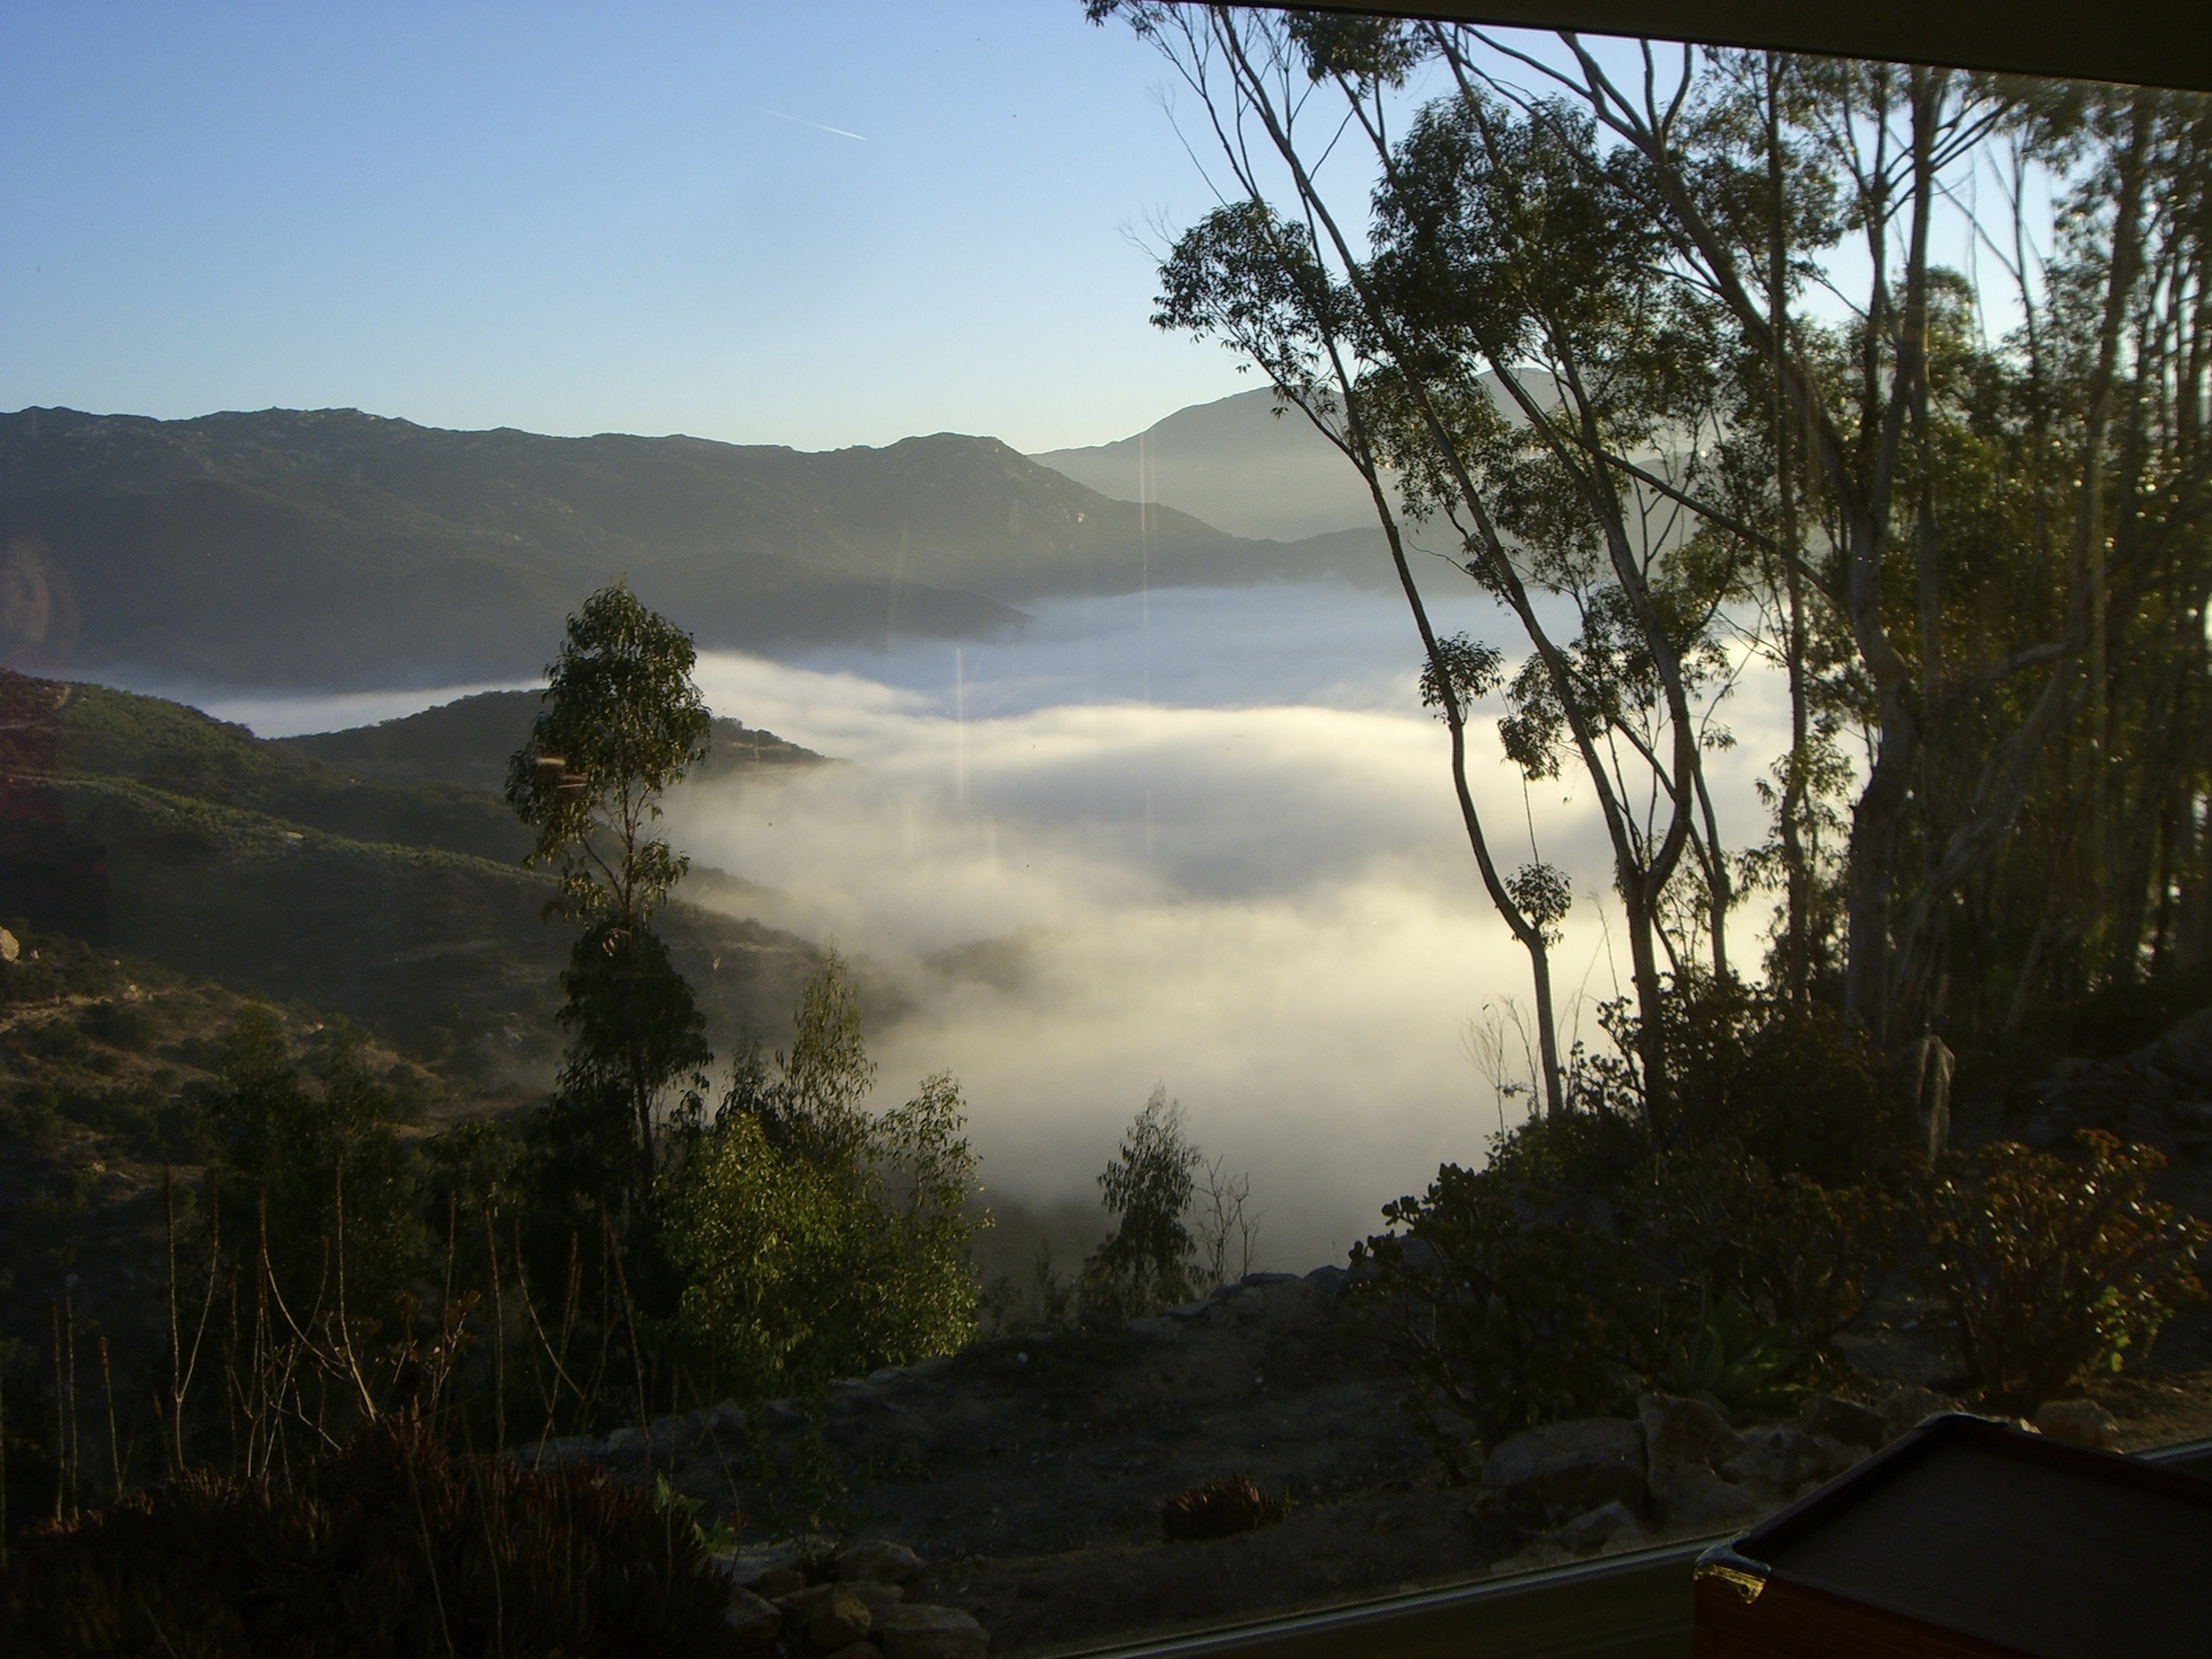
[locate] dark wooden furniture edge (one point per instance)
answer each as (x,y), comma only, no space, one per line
(1632,1606)
(2145,42)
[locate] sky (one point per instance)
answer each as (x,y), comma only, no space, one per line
(818,225)
(845,221)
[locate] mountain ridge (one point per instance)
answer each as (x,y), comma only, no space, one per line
(330,548)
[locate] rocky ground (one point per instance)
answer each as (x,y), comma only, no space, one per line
(1028,1473)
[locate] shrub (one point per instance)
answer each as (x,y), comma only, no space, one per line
(2053,1271)
(29,1118)
(1719,1223)
(1800,1089)
(1511,1304)
(389,1546)
(806,1259)
(119,1025)
(1218,1508)
(1149,1261)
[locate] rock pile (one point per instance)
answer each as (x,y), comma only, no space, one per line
(1679,1470)
(859,1611)
(2161,1094)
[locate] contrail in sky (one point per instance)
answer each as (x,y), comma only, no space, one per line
(800,121)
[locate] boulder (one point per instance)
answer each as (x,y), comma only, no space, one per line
(1678,1432)
(839,1619)
(780,1581)
(574,1448)
(923,1631)
(1907,1406)
(803,1601)
(1778,1459)
(1595,1529)
(1843,1420)
(753,1620)
(1575,1465)
(881,1560)
(746,1568)
(2185,1050)
(2081,1422)
(1696,1500)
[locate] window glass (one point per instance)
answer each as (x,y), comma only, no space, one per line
(1112,818)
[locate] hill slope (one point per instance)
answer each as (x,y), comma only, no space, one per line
(464,745)
(149,828)
(330,548)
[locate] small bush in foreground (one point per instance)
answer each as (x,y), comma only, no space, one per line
(1512,1303)
(2053,1270)
(1218,1508)
(388,1546)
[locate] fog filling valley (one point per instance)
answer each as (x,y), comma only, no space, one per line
(1199,839)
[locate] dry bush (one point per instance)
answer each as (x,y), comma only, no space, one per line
(1220,1507)
(388,1547)
(2053,1270)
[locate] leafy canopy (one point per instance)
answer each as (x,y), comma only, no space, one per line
(620,724)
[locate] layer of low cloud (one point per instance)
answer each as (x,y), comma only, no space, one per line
(1270,908)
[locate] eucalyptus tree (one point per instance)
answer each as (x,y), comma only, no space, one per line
(1496,337)
(619,724)
(1976,552)
(1956,719)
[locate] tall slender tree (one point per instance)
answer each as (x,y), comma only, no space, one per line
(619,724)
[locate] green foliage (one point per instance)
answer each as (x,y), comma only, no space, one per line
(323,1179)
(1799,1088)
(1581,1265)
(1720,1224)
(814,1239)
(1149,1261)
(813,1106)
(388,1545)
(635,1036)
(1731,1359)
(2054,1270)
(1472,669)
(621,722)
(1510,1300)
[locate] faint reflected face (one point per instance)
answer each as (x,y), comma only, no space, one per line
(27,596)
(38,614)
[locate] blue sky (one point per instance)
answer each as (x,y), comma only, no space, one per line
(585,217)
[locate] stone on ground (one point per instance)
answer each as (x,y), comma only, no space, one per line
(1678,1432)
(1907,1406)
(1575,1465)
(754,1622)
(839,1620)
(1844,1420)
(881,1560)
(922,1631)
(1694,1499)
(2080,1423)
(1596,1528)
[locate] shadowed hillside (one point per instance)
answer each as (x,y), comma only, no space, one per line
(149,828)
(332,548)
(465,745)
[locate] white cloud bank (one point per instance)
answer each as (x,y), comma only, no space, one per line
(1270,909)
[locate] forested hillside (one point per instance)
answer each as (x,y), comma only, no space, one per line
(153,830)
